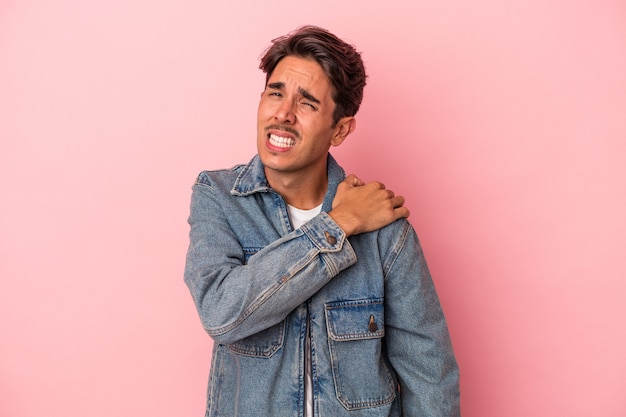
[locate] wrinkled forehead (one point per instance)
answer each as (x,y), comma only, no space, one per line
(300,74)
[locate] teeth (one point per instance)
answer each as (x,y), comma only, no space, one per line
(281,142)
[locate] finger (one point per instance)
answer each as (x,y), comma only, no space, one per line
(354,181)
(348,182)
(397,201)
(402,212)
(378,185)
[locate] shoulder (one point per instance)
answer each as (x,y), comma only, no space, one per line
(219,180)
(397,236)
(219,176)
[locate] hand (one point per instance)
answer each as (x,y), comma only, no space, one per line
(359,207)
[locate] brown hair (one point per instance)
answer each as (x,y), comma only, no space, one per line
(341,63)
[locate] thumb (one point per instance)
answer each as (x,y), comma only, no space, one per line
(354,181)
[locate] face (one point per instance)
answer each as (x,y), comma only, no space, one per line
(295,120)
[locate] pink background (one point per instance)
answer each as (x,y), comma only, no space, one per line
(502,122)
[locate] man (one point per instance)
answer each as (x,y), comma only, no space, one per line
(312,284)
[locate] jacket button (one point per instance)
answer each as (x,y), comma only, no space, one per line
(330,238)
(372,326)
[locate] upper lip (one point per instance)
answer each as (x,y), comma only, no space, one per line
(283,131)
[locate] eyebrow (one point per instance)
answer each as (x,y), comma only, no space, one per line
(279,85)
(308,95)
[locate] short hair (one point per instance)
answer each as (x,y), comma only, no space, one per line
(340,61)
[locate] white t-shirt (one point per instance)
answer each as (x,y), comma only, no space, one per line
(298,216)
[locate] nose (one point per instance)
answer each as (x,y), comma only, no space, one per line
(284,113)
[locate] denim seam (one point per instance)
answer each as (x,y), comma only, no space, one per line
(260,351)
(396,248)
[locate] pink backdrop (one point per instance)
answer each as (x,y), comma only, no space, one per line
(502,122)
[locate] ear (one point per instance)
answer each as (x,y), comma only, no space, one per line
(343,128)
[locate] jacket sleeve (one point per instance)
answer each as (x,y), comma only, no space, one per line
(235,298)
(416,334)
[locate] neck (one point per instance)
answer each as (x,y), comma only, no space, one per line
(303,192)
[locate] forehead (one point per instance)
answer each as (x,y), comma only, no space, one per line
(300,72)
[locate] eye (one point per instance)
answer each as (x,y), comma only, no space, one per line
(309,105)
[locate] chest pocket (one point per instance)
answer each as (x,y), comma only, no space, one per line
(360,371)
(263,344)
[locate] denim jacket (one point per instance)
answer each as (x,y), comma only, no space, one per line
(379,340)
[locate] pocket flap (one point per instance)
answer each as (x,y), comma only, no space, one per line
(359,319)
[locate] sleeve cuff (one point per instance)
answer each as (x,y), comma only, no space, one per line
(331,241)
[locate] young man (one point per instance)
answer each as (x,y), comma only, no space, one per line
(312,284)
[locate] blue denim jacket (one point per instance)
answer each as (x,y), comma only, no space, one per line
(379,340)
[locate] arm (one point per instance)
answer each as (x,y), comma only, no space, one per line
(416,334)
(237,299)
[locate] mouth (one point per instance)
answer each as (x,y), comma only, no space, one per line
(280,141)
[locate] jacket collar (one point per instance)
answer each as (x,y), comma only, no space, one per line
(252,180)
